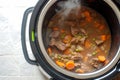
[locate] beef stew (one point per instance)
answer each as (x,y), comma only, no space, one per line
(79,42)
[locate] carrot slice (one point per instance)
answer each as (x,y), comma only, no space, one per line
(103,37)
(49,50)
(87,14)
(87,44)
(67,39)
(70,65)
(62,31)
(88,17)
(55,28)
(59,63)
(101,58)
(67,51)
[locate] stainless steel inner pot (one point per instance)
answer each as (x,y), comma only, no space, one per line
(111,13)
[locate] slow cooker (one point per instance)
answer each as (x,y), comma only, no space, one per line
(43,12)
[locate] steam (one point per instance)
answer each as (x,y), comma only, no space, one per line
(69,5)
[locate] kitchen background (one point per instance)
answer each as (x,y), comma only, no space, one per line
(12,63)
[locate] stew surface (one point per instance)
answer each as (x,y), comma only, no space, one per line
(80,41)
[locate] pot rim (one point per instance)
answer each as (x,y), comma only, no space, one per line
(68,73)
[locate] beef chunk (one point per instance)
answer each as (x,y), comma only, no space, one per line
(83,31)
(95,63)
(52,42)
(54,34)
(59,44)
(86,67)
(79,70)
(77,65)
(77,56)
(80,35)
(79,39)
(74,30)
(70,23)
(99,42)
(82,40)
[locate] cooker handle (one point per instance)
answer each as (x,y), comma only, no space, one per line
(23,36)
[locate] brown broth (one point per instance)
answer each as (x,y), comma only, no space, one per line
(92,39)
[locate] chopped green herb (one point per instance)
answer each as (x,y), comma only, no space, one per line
(94,39)
(77,50)
(79,35)
(94,53)
(63,35)
(59,56)
(93,45)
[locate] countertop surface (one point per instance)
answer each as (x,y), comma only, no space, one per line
(13,66)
